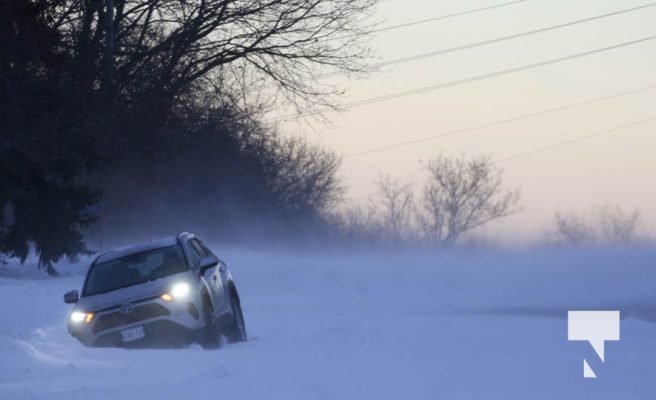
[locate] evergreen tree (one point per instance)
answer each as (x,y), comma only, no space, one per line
(43,151)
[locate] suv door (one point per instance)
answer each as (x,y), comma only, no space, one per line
(215,277)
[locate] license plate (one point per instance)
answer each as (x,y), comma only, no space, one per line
(133,334)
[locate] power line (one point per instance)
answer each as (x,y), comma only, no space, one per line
(491,75)
(576,140)
(497,123)
(568,142)
(458,82)
(438,18)
(497,40)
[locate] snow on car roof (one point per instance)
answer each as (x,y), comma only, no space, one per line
(138,248)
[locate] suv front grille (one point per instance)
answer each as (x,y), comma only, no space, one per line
(140,313)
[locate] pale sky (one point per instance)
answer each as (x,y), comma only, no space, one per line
(616,168)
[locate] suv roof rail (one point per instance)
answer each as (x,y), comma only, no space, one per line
(181,236)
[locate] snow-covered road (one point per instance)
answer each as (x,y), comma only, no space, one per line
(477,325)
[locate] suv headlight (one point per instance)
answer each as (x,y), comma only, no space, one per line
(178,291)
(78,316)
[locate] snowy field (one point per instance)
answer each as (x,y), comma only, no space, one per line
(460,325)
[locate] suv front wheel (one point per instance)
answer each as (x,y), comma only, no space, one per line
(236,331)
(210,337)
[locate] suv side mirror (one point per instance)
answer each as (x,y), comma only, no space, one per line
(71,297)
(207,263)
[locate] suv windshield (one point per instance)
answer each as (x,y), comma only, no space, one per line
(134,269)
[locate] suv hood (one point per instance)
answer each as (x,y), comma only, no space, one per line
(132,293)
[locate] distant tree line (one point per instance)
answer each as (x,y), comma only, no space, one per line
(605,225)
(456,196)
(149,111)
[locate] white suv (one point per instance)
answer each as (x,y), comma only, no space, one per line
(163,293)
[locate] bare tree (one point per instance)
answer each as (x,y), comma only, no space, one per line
(462,194)
(90,87)
(358,224)
(397,200)
(301,176)
(604,225)
(174,45)
(573,229)
(615,225)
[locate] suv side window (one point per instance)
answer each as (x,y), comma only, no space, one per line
(196,255)
(205,248)
(200,248)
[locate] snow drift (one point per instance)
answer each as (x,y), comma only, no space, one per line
(384,325)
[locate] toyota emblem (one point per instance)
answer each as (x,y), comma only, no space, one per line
(127,308)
